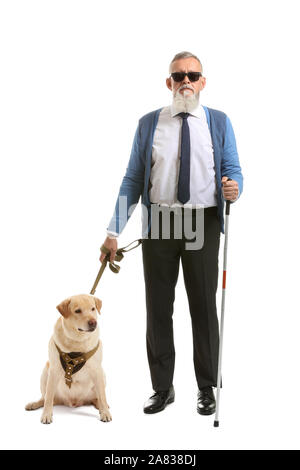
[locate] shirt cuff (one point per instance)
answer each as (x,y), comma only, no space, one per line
(112,235)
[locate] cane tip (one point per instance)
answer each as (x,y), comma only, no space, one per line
(216,424)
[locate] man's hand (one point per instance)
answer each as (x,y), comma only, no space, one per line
(112,245)
(230,189)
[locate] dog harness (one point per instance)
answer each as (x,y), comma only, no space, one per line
(72,362)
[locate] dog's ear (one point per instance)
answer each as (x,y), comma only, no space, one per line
(98,304)
(63,308)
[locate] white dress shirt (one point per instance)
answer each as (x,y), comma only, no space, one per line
(166,160)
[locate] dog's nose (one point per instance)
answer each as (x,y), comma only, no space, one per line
(92,324)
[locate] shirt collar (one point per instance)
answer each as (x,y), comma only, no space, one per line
(197,112)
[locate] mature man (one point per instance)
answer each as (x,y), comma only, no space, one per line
(183,155)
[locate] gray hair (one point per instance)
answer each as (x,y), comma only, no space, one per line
(184,55)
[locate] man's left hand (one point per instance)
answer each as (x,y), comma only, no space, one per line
(230,189)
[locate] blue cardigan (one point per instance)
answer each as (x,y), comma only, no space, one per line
(136,180)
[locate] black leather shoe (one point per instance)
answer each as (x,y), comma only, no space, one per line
(159,401)
(206,403)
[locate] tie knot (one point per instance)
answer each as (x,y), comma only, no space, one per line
(183,115)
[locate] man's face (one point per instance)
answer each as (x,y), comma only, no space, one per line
(186,65)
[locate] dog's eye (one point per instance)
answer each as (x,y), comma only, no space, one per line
(78,310)
(93,308)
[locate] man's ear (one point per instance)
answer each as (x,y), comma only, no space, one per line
(169,83)
(98,304)
(63,308)
(203,83)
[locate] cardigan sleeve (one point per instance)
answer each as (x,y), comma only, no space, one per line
(131,188)
(230,166)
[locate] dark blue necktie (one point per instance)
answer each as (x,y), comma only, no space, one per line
(183,194)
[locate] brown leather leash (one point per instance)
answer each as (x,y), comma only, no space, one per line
(115,268)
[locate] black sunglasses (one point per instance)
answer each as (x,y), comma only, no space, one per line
(192,76)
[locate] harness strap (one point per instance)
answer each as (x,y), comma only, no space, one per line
(72,362)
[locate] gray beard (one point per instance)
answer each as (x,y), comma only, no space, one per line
(185,104)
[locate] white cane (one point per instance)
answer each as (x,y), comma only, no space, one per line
(227,212)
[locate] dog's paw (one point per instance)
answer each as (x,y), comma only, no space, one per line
(47,417)
(34,405)
(105,416)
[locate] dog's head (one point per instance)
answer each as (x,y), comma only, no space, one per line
(80,312)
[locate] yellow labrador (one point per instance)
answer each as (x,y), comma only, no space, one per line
(74,375)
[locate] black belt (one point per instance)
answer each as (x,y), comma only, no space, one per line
(179,209)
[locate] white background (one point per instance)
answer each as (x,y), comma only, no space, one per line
(75,78)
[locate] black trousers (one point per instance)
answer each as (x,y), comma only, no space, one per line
(161,260)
